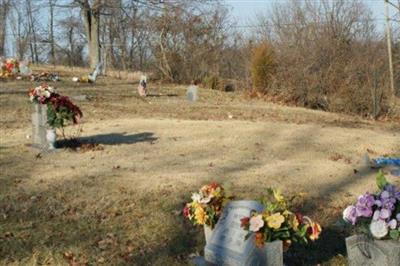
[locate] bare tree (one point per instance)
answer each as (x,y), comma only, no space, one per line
(19,28)
(91,18)
(33,44)
(52,3)
(4,9)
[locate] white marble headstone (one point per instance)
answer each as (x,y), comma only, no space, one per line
(39,122)
(227,245)
(192,93)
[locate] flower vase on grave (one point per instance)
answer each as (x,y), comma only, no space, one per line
(51,137)
(207,232)
(274,253)
(364,250)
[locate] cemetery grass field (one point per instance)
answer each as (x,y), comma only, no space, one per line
(119,202)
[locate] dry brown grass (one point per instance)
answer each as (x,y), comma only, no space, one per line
(79,71)
(121,205)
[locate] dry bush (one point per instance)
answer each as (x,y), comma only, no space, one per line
(263,66)
(212,82)
(329,57)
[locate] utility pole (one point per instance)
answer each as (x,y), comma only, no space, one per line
(389,45)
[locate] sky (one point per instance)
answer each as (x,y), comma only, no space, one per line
(244,10)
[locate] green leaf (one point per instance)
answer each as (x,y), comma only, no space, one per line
(381,180)
(394,234)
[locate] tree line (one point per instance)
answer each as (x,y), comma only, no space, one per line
(328,55)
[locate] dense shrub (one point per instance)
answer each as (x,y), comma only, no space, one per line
(325,59)
(263,66)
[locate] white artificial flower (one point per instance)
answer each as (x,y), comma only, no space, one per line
(31,98)
(392,224)
(50,89)
(205,200)
(196,197)
(378,229)
(75,79)
(256,222)
(376,215)
(46,94)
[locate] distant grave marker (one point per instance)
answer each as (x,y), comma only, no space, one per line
(192,93)
(92,77)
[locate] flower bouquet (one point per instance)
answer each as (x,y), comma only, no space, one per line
(42,94)
(277,222)
(60,111)
(9,67)
(206,206)
(376,217)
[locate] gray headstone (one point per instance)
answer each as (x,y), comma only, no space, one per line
(39,121)
(228,246)
(92,77)
(362,250)
(81,98)
(192,94)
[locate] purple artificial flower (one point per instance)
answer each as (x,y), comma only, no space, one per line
(392,191)
(378,203)
(364,205)
(385,214)
(388,203)
(392,224)
(350,214)
(385,194)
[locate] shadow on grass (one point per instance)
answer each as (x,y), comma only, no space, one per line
(107,139)
(162,95)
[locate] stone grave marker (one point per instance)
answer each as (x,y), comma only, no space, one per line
(364,251)
(192,93)
(39,121)
(228,246)
(92,77)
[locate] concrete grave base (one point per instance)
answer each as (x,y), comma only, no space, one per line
(362,250)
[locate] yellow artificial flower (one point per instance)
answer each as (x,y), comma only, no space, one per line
(275,220)
(295,223)
(200,215)
(278,196)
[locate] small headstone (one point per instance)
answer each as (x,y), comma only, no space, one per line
(39,121)
(142,86)
(192,94)
(362,250)
(80,98)
(92,77)
(228,246)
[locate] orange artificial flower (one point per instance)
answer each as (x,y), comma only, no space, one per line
(314,230)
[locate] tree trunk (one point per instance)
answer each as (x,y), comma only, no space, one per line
(33,32)
(91,17)
(4,7)
(51,37)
